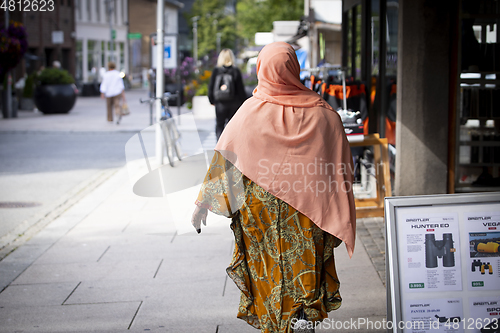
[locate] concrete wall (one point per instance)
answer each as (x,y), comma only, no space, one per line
(423,93)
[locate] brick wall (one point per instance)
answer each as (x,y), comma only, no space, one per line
(142,19)
(39,27)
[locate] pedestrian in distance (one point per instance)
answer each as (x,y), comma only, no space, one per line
(225,89)
(282,171)
(113,89)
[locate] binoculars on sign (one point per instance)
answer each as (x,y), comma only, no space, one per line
(439,248)
(483,267)
(446,319)
(490,247)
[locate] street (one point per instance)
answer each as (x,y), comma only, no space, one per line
(46,160)
(99,255)
(42,167)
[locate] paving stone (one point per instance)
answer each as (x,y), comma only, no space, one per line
(53,273)
(125,290)
(26,254)
(133,269)
(72,253)
(239,326)
(203,307)
(147,247)
(32,295)
(9,272)
(55,230)
(361,231)
(69,318)
(174,282)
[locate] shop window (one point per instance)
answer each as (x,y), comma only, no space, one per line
(477,153)
(93,60)
(375,37)
(89,10)
(112,53)
(349,40)
(124,14)
(115,11)
(98,10)
(78,9)
(392,37)
(122,56)
(103,55)
(79,61)
(357,51)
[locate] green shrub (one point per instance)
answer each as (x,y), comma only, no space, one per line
(54,76)
(29,86)
(202,90)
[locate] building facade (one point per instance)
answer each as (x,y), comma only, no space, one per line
(437,63)
(142,24)
(51,37)
(98,22)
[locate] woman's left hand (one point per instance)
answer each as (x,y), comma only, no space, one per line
(199,215)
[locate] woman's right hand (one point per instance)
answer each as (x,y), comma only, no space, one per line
(199,215)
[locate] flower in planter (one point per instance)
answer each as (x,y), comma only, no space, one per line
(13,45)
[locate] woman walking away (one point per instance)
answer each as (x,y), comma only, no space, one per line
(113,89)
(225,89)
(282,171)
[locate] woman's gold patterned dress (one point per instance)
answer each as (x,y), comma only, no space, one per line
(282,261)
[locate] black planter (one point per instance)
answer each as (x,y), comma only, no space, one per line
(55,98)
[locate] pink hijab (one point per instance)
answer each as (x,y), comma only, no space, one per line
(290,142)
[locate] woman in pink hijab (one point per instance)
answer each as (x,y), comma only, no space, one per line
(282,171)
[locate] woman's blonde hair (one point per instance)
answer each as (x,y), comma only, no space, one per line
(226,58)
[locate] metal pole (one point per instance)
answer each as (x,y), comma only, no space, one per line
(382,91)
(159,77)
(178,77)
(344,97)
(218,42)
(7,93)
(195,40)
(111,41)
(150,113)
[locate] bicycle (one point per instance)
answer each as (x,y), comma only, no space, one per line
(171,134)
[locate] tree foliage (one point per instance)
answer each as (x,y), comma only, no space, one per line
(251,16)
(214,17)
(258,15)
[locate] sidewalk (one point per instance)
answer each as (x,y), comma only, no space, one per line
(115,262)
(88,114)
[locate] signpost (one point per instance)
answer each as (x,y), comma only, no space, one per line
(169,51)
(57,37)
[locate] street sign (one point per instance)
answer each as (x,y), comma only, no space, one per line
(57,37)
(113,34)
(169,52)
(135,35)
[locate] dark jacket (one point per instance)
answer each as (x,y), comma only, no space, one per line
(238,82)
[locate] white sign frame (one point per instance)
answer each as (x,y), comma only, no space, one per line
(57,37)
(462,206)
(170,51)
